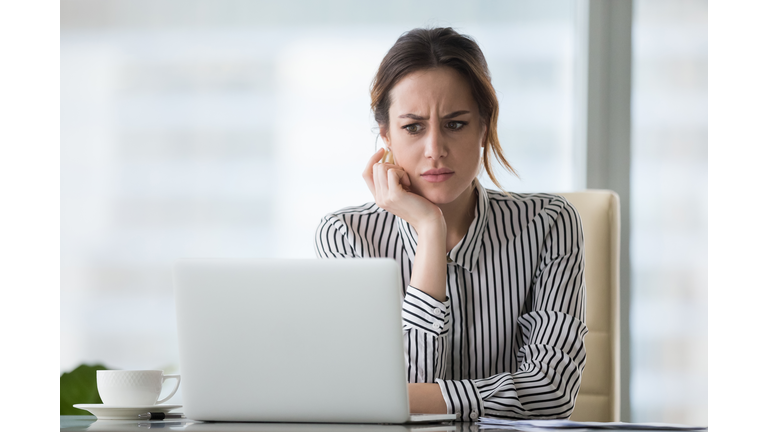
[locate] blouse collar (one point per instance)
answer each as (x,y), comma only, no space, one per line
(467,251)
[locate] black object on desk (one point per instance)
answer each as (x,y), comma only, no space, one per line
(160,416)
(158,425)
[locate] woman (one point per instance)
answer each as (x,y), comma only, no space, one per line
(493,310)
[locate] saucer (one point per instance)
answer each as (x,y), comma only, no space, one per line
(114,412)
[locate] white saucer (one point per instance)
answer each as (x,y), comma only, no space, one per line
(113,412)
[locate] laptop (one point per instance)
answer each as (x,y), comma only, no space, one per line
(292,341)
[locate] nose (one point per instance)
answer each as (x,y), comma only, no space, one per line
(434,146)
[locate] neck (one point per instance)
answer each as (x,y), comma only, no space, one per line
(458,216)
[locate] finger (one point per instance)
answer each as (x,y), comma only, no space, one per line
(374,159)
(402,176)
(393,180)
(368,177)
(389,166)
(368,171)
(386,167)
(380,177)
(405,180)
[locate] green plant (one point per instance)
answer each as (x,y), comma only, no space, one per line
(79,387)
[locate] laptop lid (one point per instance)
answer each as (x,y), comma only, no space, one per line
(291,340)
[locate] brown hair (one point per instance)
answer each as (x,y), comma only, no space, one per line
(421,49)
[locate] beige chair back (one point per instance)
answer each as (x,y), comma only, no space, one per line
(599,394)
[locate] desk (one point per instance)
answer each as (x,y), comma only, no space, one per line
(89,423)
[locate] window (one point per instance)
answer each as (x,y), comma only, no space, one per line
(190,131)
(669,212)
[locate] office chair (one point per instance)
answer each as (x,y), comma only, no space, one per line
(599,394)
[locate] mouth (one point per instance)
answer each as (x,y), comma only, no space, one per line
(437,175)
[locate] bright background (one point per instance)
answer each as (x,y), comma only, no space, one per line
(190,129)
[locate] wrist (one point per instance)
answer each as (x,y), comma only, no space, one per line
(429,264)
(426,398)
(434,228)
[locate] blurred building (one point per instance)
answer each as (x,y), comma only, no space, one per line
(190,128)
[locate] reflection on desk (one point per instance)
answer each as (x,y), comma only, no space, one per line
(89,423)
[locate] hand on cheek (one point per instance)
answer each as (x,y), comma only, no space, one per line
(390,186)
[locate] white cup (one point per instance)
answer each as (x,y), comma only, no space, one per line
(133,387)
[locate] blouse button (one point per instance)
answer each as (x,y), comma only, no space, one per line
(436,311)
(473,415)
(435,326)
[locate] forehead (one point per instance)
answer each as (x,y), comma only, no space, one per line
(442,89)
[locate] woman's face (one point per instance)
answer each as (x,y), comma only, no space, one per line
(435,133)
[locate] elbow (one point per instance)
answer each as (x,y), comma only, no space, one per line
(556,395)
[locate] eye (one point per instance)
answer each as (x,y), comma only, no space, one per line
(412,128)
(455,125)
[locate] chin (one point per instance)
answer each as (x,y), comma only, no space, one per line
(440,195)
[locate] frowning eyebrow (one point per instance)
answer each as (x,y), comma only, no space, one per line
(449,116)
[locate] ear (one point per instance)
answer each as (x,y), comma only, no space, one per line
(383,132)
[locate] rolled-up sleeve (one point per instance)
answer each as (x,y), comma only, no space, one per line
(426,325)
(423,312)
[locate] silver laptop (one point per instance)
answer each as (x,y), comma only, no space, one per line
(292,341)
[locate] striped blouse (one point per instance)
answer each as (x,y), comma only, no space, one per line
(509,339)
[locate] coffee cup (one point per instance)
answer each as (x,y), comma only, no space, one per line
(133,387)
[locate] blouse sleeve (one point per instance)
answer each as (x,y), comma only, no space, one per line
(426,322)
(331,239)
(553,355)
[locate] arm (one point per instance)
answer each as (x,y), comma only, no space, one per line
(389,185)
(428,273)
(426,311)
(552,357)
